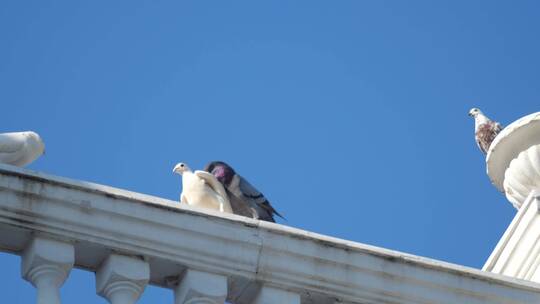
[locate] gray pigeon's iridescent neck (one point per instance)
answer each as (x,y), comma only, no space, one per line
(223,174)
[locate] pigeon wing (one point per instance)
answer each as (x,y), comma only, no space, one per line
(498,128)
(479,138)
(240,206)
(482,137)
(11,142)
(212,182)
(257,200)
(486,134)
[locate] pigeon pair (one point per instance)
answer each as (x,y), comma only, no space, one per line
(20,148)
(219,187)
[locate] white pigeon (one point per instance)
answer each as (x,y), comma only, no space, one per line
(485,130)
(20,148)
(202,189)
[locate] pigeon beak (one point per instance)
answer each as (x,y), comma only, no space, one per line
(177,170)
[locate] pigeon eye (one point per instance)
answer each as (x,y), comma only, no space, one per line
(182,165)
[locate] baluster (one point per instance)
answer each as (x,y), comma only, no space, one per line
(46,264)
(121,279)
(199,287)
(271,295)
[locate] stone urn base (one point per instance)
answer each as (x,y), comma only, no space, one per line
(513,159)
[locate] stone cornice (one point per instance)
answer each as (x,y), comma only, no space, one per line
(99,220)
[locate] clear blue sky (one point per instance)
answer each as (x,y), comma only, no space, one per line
(351,116)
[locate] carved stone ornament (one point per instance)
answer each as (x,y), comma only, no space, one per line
(513,159)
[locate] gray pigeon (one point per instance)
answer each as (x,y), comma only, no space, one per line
(245,199)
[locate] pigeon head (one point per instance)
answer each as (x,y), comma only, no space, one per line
(180,168)
(223,172)
(474,112)
(35,142)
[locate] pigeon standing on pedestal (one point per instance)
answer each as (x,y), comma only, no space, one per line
(20,148)
(202,189)
(245,199)
(485,130)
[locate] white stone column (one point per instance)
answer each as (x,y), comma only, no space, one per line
(46,264)
(199,287)
(272,295)
(121,279)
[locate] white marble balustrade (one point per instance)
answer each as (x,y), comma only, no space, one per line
(130,240)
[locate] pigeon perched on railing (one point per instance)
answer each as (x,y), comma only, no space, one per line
(485,130)
(202,189)
(245,199)
(20,148)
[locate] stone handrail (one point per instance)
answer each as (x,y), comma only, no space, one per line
(130,240)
